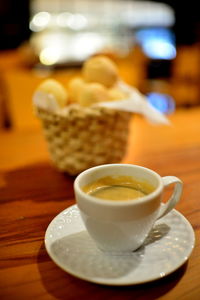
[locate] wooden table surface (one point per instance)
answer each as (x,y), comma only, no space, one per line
(33,192)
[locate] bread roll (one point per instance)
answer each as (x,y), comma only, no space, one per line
(75,88)
(100,69)
(117,94)
(53,87)
(93,93)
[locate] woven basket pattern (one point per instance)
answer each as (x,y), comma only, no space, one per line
(85,137)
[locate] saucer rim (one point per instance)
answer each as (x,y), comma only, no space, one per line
(113,282)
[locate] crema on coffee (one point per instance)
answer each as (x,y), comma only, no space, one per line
(118,188)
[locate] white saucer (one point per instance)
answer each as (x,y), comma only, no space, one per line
(167,248)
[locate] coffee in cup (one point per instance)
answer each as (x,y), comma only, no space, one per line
(122,226)
(118,188)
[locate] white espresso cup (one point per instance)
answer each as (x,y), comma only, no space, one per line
(121,226)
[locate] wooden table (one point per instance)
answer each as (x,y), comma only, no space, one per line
(33,192)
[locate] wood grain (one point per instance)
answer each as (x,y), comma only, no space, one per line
(32,192)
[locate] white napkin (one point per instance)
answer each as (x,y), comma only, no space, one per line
(136,103)
(46,101)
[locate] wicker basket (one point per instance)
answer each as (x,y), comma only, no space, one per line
(85,137)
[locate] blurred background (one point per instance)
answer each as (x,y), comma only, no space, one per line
(156,45)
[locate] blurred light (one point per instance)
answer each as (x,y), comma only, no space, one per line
(73,21)
(147,13)
(40,21)
(86,44)
(163,102)
(49,56)
(157,43)
(159,49)
(57,48)
(77,22)
(63,19)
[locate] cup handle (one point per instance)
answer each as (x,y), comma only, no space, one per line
(175,197)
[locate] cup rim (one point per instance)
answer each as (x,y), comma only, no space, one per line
(107,202)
